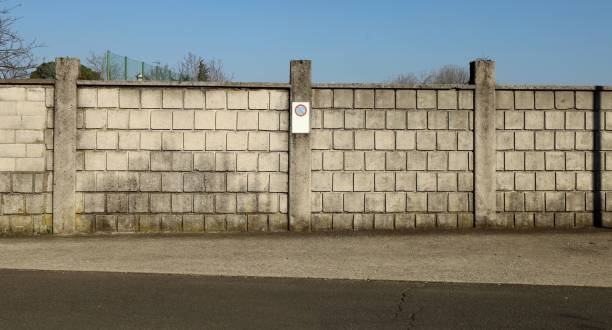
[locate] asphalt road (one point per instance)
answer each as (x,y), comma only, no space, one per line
(96,300)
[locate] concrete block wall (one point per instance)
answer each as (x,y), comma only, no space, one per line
(181,159)
(215,157)
(392,159)
(26,143)
(549,169)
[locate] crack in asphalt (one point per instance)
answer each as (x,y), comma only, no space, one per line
(399,308)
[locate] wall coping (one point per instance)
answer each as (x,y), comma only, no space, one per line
(130,83)
(553,87)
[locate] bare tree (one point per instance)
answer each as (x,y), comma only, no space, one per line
(448,74)
(16,54)
(216,72)
(194,67)
(189,67)
(405,78)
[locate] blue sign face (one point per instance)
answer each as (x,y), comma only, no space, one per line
(300,110)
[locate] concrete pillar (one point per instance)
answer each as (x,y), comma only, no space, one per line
(64,145)
(482,74)
(299,152)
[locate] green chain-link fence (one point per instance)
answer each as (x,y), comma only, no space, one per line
(117,67)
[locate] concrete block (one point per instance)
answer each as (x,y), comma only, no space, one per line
(322,98)
(544,140)
(204,161)
(246,203)
(172,98)
(584,100)
(259,141)
(395,202)
(416,160)
(259,99)
(384,222)
(466,100)
(446,141)
(375,119)
(140,119)
(564,140)
(544,100)
(127,181)
(374,202)
(203,203)
(459,120)
(437,161)
(237,140)
(426,181)
(106,181)
(129,140)
(161,161)
(534,120)
(268,162)
(215,140)
(225,161)
(127,223)
(129,98)
(343,181)
(193,99)
(404,221)
(363,222)
(364,140)
(426,99)
(216,99)
(575,120)
(333,160)
(405,140)
(447,181)
(268,121)
(447,99)
(395,161)
(151,98)
(236,222)
(384,99)
(524,100)
(384,140)
(86,97)
(258,182)
(205,119)
(150,181)
(333,118)
(343,98)
(182,203)
(405,99)
(94,202)
(94,118)
(108,97)
(193,223)
(426,140)
(279,141)
(182,161)
(437,202)
(279,182)
(374,161)
(437,120)
(342,222)
(363,181)
(279,100)
(151,140)
(246,162)
(354,119)
(237,99)
(564,100)
(396,119)
(524,140)
(555,161)
(247,120)
(107,140)
(267,203)
(117,203)
(364,98)
(554,120)
(226,120)
(172,182)
(183,119)
(193,182)
(150,223)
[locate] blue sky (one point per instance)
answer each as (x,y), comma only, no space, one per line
(536,41)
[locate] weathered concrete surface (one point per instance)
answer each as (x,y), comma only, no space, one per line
(300,152)
(64,145)
(483,76)
(549,258)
